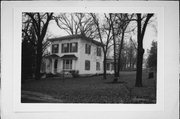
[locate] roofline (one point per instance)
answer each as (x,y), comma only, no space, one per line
(76,36)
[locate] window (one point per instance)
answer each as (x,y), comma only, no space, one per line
(88,49)
(67,64)
(112,66)
(98,51)
(107,66)
(69,47)
(65,47)
(87,65)
(55,48)
(73,47)
(97,66)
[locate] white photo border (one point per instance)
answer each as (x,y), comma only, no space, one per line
(168,64)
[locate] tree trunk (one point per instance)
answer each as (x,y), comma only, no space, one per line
(38,62)
(139,54)
(141,30)
(115,63)
(139,67)
(115,70)
(104,67)
(120,51)
(119,67)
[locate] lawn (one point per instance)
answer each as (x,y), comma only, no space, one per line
(94,89)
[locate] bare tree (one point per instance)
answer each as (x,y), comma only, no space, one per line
(119,22)
(103,30)
(141,28)
(112,19)
(122,21)
(131,52)
(76,23)
(39,22)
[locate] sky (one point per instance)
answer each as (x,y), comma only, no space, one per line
(150,34)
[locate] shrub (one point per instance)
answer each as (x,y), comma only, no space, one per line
(43,75)
(75,73)
(49,75)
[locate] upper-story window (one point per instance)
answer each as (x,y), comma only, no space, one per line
(88,49)
(73,47)
(69,47)
(98,51)
(55,48)
(65,47)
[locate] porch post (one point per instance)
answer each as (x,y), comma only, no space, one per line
(74,64)
(52,66)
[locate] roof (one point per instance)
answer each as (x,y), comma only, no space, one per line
(69,57)
(52,56)
(69,37)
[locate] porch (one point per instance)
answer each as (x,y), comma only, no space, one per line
(56,65)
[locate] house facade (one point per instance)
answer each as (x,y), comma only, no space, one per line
(74,52)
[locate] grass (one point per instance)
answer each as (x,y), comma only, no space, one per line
(94,89)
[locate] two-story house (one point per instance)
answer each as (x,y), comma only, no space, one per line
(74,52)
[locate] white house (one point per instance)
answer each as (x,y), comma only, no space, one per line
(74,52)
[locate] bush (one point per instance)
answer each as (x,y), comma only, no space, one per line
(43,75)
(75,73)
(48,75)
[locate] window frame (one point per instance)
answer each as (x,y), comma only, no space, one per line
(64,49)
(112,66)
(55,49)
(98,66)
(87,65)
(67,66)
(108,66)
(98,51)
(87,48)
(69,48)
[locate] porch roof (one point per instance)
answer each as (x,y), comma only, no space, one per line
(52,56)
(68,57)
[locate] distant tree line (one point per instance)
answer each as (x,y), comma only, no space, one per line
(152,56)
